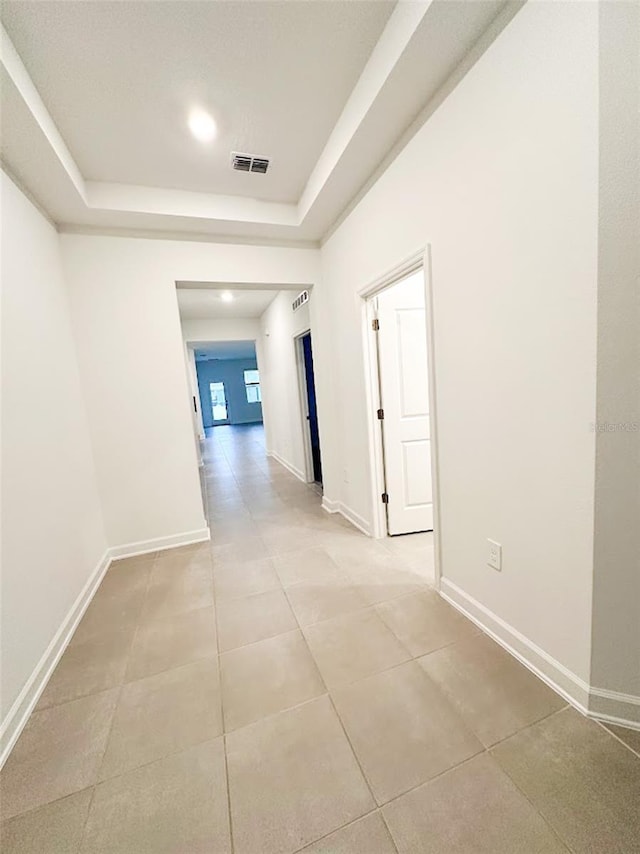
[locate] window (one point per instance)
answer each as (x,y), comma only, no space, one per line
(252,385)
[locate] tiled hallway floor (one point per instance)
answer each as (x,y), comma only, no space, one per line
(295,685)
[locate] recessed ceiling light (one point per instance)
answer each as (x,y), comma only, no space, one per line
(226,296)
(202,125)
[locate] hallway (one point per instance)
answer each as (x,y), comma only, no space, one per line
(296,685)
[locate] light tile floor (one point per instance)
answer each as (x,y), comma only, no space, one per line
(295,686)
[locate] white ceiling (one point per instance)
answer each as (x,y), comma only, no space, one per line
(206,303)
(119,79)
(95,97)
(226,350)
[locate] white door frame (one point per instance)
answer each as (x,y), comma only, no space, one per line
(420,260)
(304,405)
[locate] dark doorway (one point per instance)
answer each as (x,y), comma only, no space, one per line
(313,411)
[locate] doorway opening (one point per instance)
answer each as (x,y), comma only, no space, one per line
(224,323)
(306,377)
(227,380)
(399,362)
(218,400)
(403,380)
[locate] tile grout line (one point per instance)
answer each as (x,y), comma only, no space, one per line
(83,835)
(528,726)
(409,652)
(381,806)
(378,808)
(433,779)
(222,714)
(505,771)
(279,712)
(261,640)
(484,751)
(526,797)
(120,688)
(299,584)
(153,561)
(97,782)
(162,758)
(377,608)
(224,729)
(353,752)
(306,643)
(304,639)
(342,827)
(139,678)
(299,630)
(617,737)
(91,787)
(386,824)
(409,660)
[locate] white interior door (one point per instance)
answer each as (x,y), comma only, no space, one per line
(404,391)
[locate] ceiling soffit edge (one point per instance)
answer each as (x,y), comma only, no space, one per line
(247,215)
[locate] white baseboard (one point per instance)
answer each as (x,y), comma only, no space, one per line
(601,705)
(329,505)
(349,514)
(160,543)
(574,689)
(355,519)
(289,467)
(19,713)
(612,707)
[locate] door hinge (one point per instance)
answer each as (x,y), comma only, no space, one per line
(380,414)
(385,497)
(375,324)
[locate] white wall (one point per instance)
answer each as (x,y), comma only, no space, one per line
(131,357)
(279,377)
(502,181)
(616,613)
(231,373)
(207,329)
(204,330)
(52,533)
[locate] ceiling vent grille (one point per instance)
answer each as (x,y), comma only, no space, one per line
(300,300)
(249,163)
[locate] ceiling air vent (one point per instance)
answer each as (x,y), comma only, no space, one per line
(259,164)
(249,163)
(301,299)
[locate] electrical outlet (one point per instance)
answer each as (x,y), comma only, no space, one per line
(494,558)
